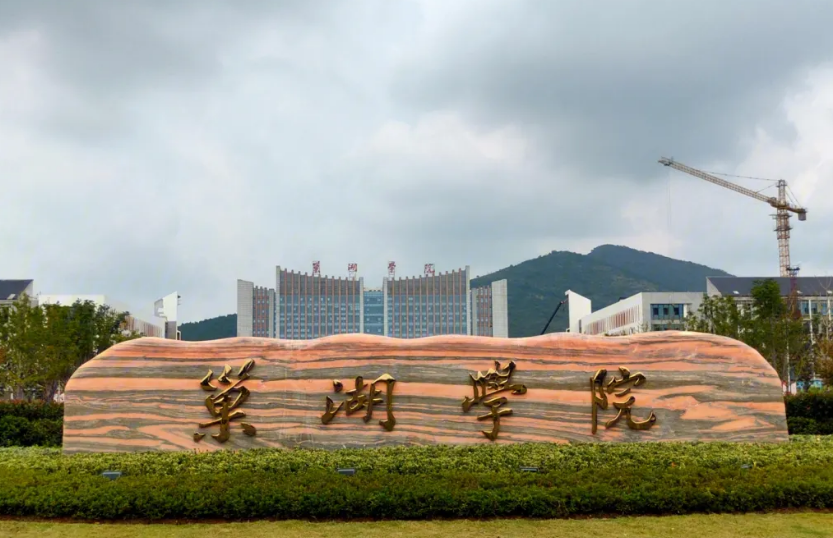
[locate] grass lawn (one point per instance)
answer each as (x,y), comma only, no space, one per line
(711,526)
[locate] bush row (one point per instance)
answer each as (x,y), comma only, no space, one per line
(810,413)
(430,460)
(19,431)
(36,410)
(317,493)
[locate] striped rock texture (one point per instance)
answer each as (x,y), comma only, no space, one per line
(147,394)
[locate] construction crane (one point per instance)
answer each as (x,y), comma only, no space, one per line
(557,308)
(782,206)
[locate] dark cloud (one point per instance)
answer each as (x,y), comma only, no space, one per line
(613,85)
(152,146)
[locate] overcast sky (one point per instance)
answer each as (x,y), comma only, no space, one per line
(153,146)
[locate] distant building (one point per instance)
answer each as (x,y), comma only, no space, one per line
(815,294)
(12,290)
(131,323)
(490,310)
(303,306)
(646,311)
(167,308)
(652,311)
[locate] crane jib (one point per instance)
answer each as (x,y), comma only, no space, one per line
(780,203)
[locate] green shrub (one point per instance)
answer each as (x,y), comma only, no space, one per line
(607,457)
(422,482)
(323,494)
(36,410)
(19,431)
(810,412)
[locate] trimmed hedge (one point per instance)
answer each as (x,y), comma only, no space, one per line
(419,483)
(31,423)
(810,413)
(36,410)
(416,460)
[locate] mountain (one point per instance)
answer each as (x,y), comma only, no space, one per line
(210,329)
(606,274)
(668,273)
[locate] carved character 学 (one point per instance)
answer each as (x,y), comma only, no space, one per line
(494,381)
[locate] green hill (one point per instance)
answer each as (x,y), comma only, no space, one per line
(669,274)
(536,286)
(605,275)
(210,329)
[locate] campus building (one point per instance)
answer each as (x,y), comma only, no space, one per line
(647,311)
(131,322)
(12,290)
(814,294)
(660,311)
(304,306)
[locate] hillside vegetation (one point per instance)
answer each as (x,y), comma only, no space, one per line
(536,286)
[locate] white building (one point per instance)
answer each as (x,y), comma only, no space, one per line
(132,323)
(815,294)
(167,308)
(12,290)
(646,311)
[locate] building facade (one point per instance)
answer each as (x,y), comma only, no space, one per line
(814,294)
(647,311)
(131,322)
(303,306)
(12,290)
(429,305)
(490,310)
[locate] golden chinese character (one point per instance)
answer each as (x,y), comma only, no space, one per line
(599,398)
(357,401)
(495,380)
(222,407)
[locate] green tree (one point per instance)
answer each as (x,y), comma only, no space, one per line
(822,333)
(719,315)
(769,324)
(41,347)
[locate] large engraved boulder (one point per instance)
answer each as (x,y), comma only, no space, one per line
(366,391)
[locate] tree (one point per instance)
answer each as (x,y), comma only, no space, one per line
(719,315)
(769,324)
(41,347)
(823,346)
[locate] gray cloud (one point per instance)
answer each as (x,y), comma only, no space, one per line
(151,146)
(615,84)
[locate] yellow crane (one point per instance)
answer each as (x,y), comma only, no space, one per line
(782,206)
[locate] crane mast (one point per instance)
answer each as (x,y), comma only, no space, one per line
(782,206)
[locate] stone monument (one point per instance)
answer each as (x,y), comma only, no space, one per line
(356,391)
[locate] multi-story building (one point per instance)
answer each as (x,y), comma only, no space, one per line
(428,305)
(657,311)
(131,322)
(489,310)
(647,311)
(303,306)
(12,290)
(814,294)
